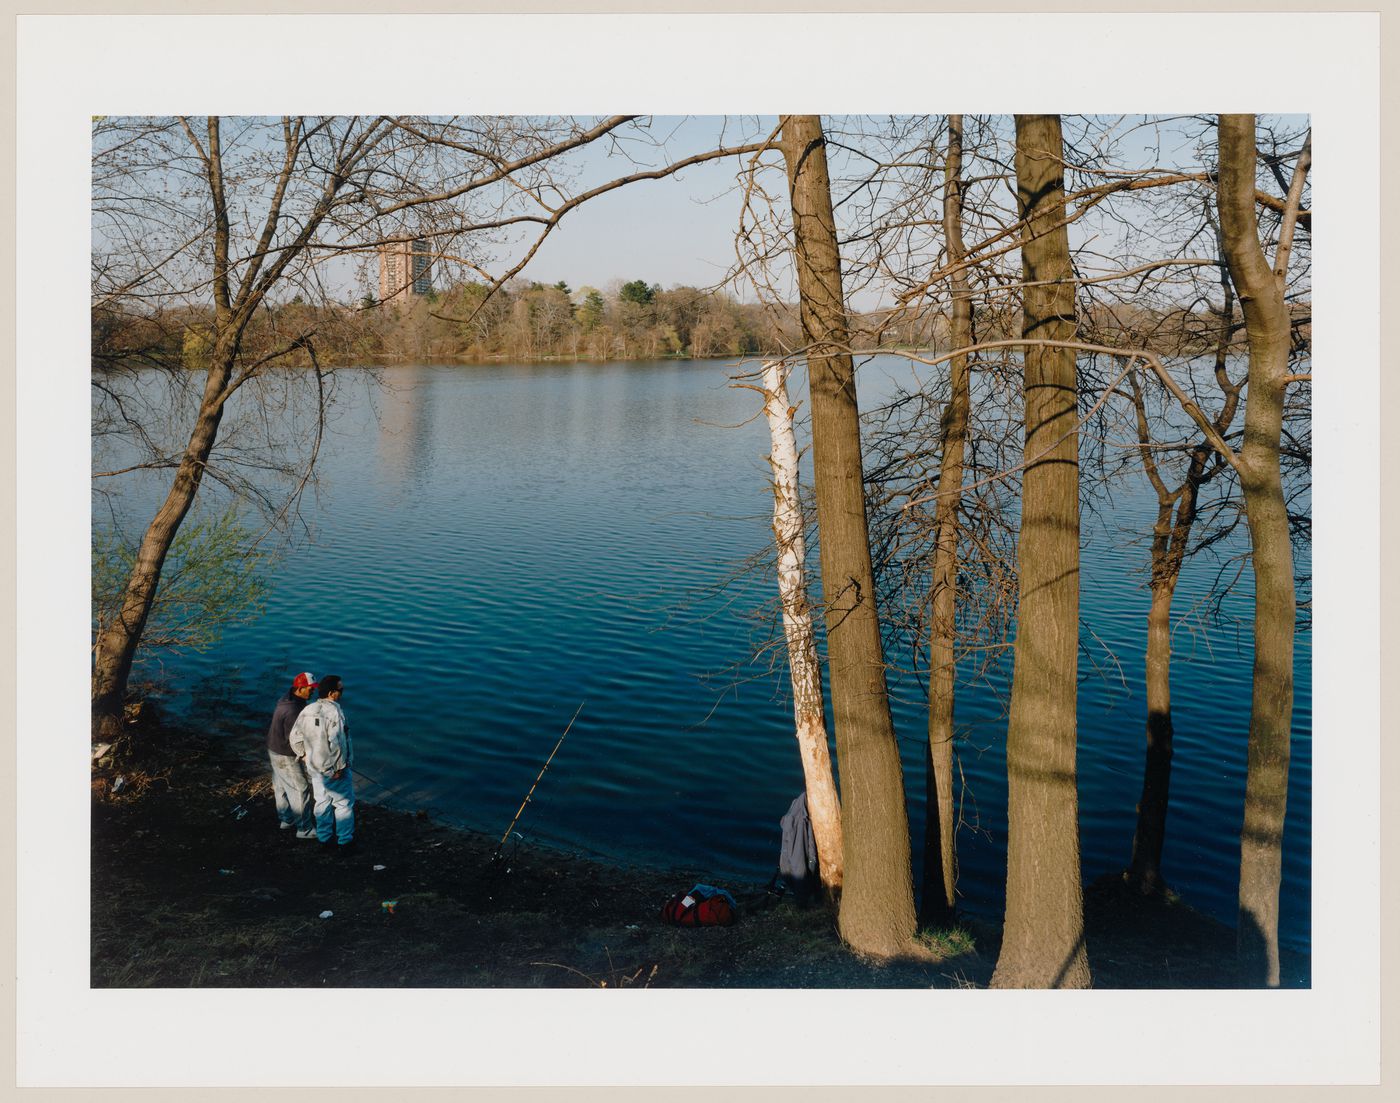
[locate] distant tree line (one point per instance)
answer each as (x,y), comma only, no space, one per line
(528,320)
(521,321)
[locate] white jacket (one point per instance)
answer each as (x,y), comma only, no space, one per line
(321,738)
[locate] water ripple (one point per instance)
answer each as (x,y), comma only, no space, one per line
(505,542)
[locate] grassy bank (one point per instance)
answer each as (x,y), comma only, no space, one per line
(194,885)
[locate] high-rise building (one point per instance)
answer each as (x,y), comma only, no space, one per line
(404,270)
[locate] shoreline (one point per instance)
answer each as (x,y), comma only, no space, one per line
(194,885)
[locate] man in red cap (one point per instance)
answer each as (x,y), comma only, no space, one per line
(291,788)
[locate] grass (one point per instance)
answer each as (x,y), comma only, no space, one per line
(947,942)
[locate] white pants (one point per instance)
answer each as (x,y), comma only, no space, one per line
(291,791)
(335,807)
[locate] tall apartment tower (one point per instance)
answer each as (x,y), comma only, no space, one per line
(403,271)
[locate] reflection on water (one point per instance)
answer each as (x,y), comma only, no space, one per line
(496,544)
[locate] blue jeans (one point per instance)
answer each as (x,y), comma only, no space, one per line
(291,791)
(335,807)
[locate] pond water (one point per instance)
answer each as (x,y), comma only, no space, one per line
(496,545)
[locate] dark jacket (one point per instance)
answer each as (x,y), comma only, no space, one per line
(283,717)
(797,861)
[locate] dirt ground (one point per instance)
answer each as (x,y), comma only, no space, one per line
(194,885)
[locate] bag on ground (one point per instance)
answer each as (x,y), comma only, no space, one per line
(702,906)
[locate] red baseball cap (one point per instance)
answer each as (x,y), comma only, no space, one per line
(304,681)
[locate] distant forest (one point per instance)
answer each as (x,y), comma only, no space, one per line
(526,320)
(533,321)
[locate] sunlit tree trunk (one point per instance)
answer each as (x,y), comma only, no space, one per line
(940,848)
(823,807)
(1261,293)
(876,916)
(1043,936)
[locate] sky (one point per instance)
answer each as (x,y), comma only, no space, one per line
(679,230)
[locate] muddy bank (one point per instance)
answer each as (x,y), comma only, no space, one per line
(194,885)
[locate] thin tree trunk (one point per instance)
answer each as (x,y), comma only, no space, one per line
(877,900)
(1170,538)
(1145,871)
(940,845)
(1261,292)
(823,807)
(1043,936)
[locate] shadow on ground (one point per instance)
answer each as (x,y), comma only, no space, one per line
(194,885)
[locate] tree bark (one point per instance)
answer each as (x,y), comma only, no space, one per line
(1043,936)
(876,916)
(1145,870)
(115,647)
(940,844)
(1261,293)
(823,806)
(1169,541)
(116,644)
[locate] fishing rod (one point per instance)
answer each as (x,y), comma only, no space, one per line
(496,857)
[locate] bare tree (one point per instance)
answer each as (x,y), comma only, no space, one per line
(1218,456)
(1177,508)
(238,285)
(877,909)
(1261,290)
(1043,937)
(940,850)
(227,214)
(823,805)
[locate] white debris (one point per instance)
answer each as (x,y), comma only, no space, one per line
(327,914)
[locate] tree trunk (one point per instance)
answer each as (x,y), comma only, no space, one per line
(1145,871)
(1267,323)
(1043,936)
(877,900)
(1169,542)
(940,849)
(823,807)
(117,643)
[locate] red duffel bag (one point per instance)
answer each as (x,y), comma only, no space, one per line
(702,906)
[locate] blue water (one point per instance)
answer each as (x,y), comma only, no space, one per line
(494,545)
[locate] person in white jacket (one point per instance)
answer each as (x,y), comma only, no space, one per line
(321,739)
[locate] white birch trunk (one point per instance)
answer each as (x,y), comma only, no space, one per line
(823,806)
